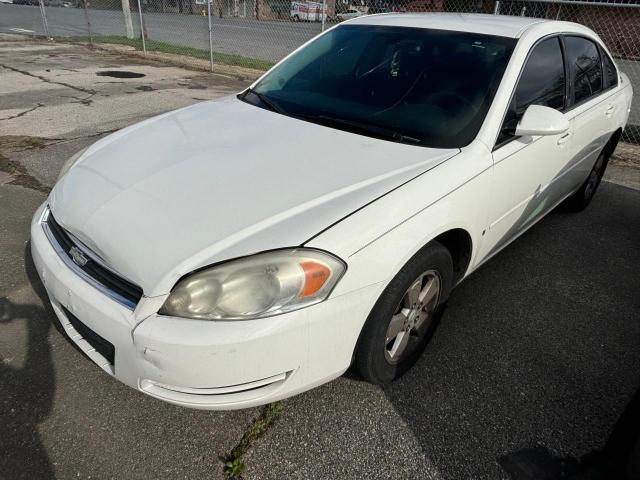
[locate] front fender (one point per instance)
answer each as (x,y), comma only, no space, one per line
(378,240)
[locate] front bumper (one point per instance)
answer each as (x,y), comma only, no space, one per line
(205,364)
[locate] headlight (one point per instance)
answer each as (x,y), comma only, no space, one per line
(71,162)
(258,286)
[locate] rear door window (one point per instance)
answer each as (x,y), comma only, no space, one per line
(583,58)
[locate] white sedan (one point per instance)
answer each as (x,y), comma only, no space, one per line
(349,14)
(244,250)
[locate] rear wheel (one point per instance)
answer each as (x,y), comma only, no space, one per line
(405,316)
(579,200)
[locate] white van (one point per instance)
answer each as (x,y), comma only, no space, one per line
(308,11)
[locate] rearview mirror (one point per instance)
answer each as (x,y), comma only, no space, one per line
(539,120)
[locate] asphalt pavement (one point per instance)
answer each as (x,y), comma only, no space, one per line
(534,362)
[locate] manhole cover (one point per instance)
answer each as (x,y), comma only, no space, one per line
(119,74)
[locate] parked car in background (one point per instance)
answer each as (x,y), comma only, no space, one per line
(349,14)
(307,11)
(231,270)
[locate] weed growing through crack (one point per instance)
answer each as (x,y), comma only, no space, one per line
(234,468)
(233,465)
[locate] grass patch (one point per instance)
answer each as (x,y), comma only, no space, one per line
(164,47)
(233,465)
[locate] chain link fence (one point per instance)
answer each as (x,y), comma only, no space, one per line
(257,33)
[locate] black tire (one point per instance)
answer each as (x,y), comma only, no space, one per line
(372,358)
(579,200)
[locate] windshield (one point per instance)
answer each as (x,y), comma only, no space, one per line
(411,85)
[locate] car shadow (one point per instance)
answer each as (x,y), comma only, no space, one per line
(27,391)
(538,354)
(619,459)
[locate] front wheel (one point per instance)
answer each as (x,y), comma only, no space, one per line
(405,316)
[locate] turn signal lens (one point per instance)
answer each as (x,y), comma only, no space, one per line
(315,276)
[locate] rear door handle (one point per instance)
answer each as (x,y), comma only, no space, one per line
(564,138)
(610,110)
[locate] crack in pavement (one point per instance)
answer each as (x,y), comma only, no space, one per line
(44,79)
(21,114)
(84,101)
(233,465)
(57,141)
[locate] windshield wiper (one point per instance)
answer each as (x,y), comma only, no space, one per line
(353,125)
(266,101)
(364,127)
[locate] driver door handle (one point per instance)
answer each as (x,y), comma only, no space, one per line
(564,138)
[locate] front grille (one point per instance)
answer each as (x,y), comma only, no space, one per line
(102,346)
(114,285)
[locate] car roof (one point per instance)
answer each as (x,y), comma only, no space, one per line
(500,25)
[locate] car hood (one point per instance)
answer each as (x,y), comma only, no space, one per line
(218,180)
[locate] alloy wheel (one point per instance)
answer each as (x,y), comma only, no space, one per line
(412,317)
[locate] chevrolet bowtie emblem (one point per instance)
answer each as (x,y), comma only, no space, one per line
(78,257)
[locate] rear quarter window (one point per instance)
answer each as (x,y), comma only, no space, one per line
(583,58)
(610,71)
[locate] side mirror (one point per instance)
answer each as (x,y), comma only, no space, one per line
(539,120)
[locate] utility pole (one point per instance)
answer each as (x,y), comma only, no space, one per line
(128,24)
